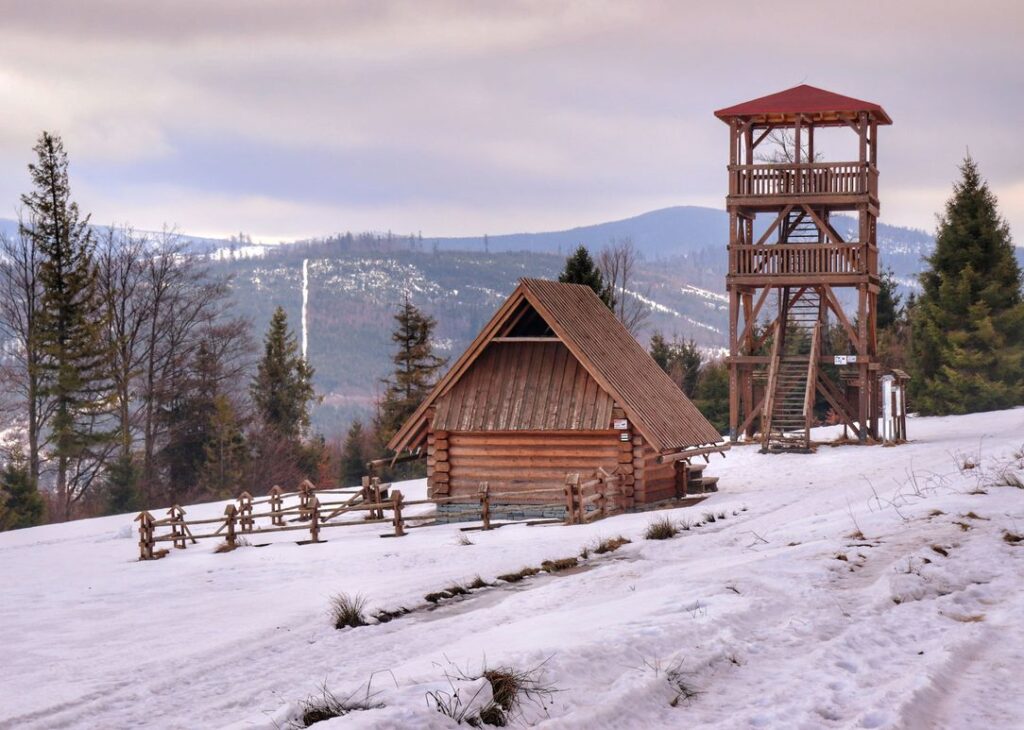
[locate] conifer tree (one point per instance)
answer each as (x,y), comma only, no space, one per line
(681,359)
(354,455)
(283,387)
(581,269)
(225,451)
(122,486)
(889,299)
(712,394)
(968,323)
(74,371)
(21,504)
(416,369)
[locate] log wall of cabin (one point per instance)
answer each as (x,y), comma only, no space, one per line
(513,461)
(655,482)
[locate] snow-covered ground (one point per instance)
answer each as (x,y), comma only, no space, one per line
(779,616)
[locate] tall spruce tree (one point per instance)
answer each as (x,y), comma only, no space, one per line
(581,269)
(968,323)
(74,371)
(416,368)
(283,387)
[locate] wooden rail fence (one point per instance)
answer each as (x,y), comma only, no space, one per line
(312,510)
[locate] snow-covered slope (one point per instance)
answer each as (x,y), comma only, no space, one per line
(780,615)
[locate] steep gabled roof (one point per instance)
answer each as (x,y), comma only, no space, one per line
(657,408)
(803,99)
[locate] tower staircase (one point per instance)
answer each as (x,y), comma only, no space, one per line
(800,228)
(792,373)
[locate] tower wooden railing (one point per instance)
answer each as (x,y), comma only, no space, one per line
(815,178)
(812,373)
(787,259)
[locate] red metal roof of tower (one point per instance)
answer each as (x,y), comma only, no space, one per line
(803,99)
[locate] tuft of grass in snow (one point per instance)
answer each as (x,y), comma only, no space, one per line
(328,707)
(518,576)
(974,516)
(477,583)
(555,566)
(383,617)
(683,690)
(611,544)
(661,529)
(450,592)
(585,552)
(225,547)
(510,689)
(348,611)
(966,462)
(511,686)
(941,550)
(709,516)
(1012,537)
(936,513)
(1007,476)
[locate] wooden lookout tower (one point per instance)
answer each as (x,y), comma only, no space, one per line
(802,281)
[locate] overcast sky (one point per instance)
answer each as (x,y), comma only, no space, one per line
(293,118)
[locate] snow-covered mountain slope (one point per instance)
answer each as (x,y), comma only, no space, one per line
(857,587)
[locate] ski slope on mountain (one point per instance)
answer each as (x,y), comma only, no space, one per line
(858,587)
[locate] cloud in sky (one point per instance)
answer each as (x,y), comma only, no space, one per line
(288,119)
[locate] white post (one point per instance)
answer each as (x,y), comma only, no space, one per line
(888,424)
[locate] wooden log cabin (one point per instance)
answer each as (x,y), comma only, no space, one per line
(554,384)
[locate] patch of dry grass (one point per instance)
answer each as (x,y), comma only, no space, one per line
(611,544)
(555,566)
(348,611)
(661,529)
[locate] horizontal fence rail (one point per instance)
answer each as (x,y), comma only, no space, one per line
(801,258)
(818,178)
(313,510)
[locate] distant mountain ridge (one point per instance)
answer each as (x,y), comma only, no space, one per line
(353,291)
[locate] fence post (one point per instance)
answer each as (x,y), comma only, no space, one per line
(314,524)
(305,499)
(145,520)
(396,506)
(276,505)
(572,482)
(366,494)
(230,518)
(245,510)
(177,514)
(485,505)
(378,511)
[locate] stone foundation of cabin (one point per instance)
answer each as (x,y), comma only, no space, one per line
(470,511)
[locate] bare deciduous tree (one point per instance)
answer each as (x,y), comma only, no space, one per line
(780,148)
(618,262)
(20,351)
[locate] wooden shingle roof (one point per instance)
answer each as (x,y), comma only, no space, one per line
(657,408)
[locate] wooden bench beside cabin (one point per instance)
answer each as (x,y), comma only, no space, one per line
(554,384)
